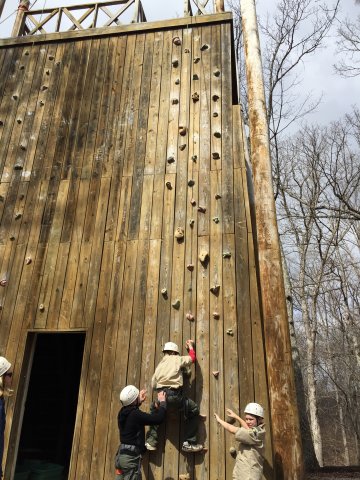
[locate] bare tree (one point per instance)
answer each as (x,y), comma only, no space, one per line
(349,48)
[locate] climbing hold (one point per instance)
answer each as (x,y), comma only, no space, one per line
(41,307)
(191,183)
(216,72)
(195,76)
(164,292)
(177,81)
(44,87)
(215,156)
(182,131)
(169,186)
(190,267)
(175,63)
(17,216)
(18,120)
(26,52)
(58,63)
(196,59)
(15,97)
(176,304)
(195,97)
(23,147)
(186,50)
(230,332)
(174,101)
(216,219)
(1,123)
(184,476)
(171,159)
(217,196)
(215,114)
(203,256)
(215,289)
(232,451)
(216,315)
(51,57)
(18,166)
(179,233)
(204,47)
(12,238)
(216,373)
(28,260)
(176,41)
(215,97)
(201,209)
(193,202)
(191,222)
(22,67)
(217,134)
(226,254)
(194,158)
(182,147)
(41,103)
(3,282)
(190,317)
(47,72)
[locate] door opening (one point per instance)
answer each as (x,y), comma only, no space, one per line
(51,401)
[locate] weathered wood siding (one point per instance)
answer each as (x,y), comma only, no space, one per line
(89,206)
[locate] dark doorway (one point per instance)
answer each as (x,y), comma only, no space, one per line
(51,401)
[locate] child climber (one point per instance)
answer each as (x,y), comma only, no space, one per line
(249,459)
(168,377)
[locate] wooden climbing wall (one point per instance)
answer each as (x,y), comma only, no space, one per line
(111,140)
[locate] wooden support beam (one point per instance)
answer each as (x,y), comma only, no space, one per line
(20,18)
(283,404)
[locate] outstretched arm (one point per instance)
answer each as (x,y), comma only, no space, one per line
(190,348)
(230,428)
(239,419)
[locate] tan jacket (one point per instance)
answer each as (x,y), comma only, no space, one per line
(169,373)
(249,460)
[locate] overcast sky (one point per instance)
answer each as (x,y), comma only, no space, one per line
(317,72)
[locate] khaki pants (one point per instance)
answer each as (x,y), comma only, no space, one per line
(130,464)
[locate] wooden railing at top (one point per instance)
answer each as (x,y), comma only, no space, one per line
(27,24)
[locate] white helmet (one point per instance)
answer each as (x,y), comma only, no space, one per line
(4,365)
(171,347)
(128,395)
(254,409)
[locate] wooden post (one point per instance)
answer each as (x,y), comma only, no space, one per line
(20,18)
(288,459)
(219,6)
(2,5)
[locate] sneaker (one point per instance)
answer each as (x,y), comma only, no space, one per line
(150,447)
(192,447)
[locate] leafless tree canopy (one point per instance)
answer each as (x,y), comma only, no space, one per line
(349,48)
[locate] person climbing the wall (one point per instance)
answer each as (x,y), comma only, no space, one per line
(131,423)
(5,382)
(250,435)
(168,377)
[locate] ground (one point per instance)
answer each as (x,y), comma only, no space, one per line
(334,475)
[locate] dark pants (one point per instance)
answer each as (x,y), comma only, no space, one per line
(130,465)
(176,400)
(2,429)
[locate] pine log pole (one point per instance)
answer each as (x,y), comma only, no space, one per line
(288,458)
(219,6)
(20,18)
(2,5)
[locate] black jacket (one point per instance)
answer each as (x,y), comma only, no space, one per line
(131,422)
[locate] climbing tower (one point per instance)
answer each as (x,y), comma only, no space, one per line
(127,219)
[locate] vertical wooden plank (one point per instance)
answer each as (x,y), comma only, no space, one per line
(232,366)
(141,125)
(161,145)
(195,88)
(115,164)
(227,130)
(133,106)
(157,211)
(204,161)
(154,102)
(216,110)
(204,382)
(58,286)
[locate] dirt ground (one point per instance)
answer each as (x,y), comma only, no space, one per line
(334,475)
